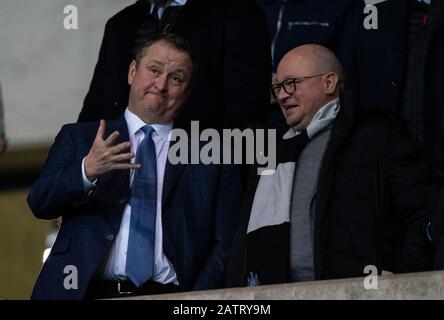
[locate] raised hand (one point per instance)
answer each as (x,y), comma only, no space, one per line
(105,155)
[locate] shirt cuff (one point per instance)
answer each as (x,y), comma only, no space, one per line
(87,185)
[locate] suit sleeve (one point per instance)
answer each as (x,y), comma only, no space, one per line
(247,65)
(93,105)
(227,209)
(59,187)
(411,187)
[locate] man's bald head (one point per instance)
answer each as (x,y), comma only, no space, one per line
(307,78)
(315,58)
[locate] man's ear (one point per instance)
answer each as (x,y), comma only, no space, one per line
(132,71)
(331,82)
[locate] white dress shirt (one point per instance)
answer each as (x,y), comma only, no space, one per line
(114,268)
(171,3)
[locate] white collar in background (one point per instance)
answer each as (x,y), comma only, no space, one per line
(170,3)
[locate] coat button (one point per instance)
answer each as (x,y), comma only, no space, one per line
(122,201)
(110,237)
(394,85)
(116,104)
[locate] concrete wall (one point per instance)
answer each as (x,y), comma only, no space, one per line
(22,241)
(45,70)
(413,286)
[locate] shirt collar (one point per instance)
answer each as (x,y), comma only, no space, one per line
(178,2)
(135,123)
(171,3)
(175,3)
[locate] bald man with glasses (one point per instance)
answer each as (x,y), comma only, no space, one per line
(349,190)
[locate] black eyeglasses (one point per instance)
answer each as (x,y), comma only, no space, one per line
(289,84)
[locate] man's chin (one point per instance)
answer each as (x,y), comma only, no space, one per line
(293,122)
(161,115)
(154,107)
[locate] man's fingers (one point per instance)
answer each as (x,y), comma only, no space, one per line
(120,147)
(122,157)
(112,138)
(125,166)
(101,130)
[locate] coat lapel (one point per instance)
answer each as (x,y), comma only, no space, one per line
(340,131)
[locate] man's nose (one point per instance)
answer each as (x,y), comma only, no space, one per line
(282,95)
(161,83)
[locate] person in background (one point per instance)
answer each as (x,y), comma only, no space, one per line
(399,66)
(292,23)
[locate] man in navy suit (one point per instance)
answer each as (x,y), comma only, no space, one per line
(87,180)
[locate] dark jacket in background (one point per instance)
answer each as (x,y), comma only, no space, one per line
(381,67)
(229,40)
(327,23)
(292,23)
(400,68)
(373,190)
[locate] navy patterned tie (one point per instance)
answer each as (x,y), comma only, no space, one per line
(140,254)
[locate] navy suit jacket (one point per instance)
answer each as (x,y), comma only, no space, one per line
(199,211)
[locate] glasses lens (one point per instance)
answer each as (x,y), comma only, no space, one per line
(290,85)
(274,89)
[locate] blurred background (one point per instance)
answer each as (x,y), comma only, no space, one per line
(45,71)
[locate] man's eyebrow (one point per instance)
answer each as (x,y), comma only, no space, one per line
(155,61)
(275,81)
(179,70)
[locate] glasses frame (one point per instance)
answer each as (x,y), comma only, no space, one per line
(294,82)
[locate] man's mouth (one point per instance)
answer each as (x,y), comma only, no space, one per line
(290,107)
(156,94)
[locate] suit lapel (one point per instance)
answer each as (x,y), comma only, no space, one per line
(171,176)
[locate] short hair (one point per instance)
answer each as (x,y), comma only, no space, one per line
(177,42)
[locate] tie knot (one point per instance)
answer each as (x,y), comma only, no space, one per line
(148,130)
